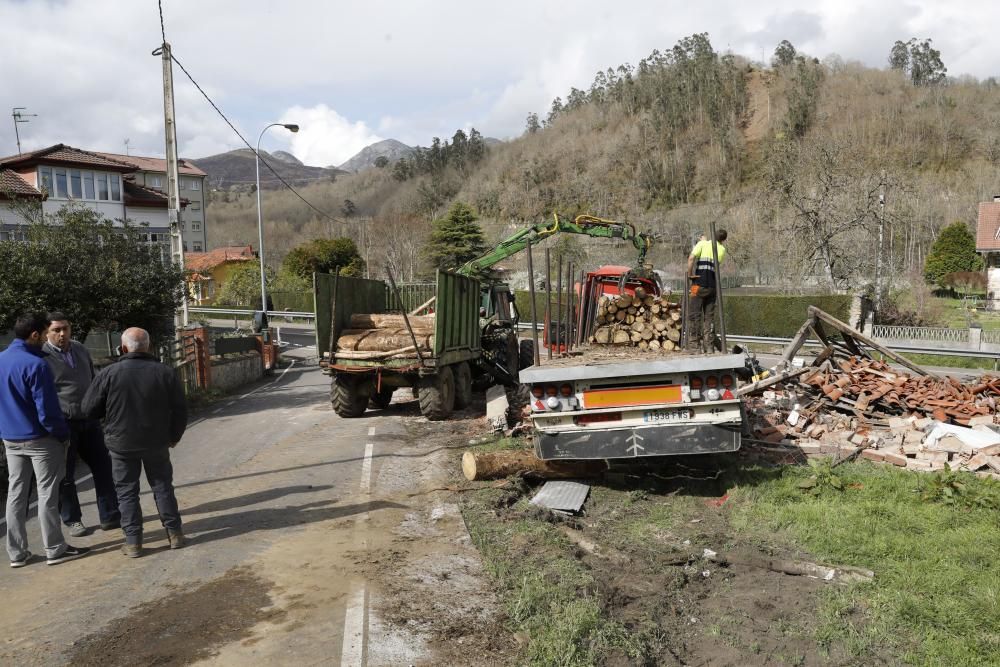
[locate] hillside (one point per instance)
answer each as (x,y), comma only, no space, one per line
(237,169)
(790,159)
(390,149)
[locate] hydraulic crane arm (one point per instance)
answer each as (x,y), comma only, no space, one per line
(587,225)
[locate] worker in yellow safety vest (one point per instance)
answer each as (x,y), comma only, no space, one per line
(701,304)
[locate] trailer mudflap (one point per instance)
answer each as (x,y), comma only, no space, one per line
(639,441)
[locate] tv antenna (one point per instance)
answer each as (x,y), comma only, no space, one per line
(20,118)
(126,145)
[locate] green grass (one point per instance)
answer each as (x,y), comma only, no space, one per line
(948,361)
(935,599)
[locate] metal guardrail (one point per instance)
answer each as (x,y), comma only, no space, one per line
(943,334)
(248,314)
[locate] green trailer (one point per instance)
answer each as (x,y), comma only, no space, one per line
(442,368)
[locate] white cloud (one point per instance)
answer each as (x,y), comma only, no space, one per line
(404,70)
(325,137)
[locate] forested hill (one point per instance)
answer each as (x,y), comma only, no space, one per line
(792,158)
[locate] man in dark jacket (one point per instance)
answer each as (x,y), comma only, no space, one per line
(34,433)
(145,414)
(73,371)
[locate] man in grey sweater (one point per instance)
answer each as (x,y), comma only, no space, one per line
(73,370)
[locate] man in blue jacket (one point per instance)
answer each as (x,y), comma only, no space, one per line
(35,437)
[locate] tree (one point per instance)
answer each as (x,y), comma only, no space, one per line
(953,251)
(456,238)
(325,256)
(99,273)
(784,54)
(381,162)
(899,57)
(348,209)
(242,286)
(920,60)
(803,97)
(532,124)
(554,111)
(477,146)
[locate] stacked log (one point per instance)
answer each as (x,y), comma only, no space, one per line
(375,336)
(638,320)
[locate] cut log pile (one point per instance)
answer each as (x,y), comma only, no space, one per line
(640,320)
(382,336)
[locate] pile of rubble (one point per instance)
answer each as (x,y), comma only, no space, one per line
(850,405)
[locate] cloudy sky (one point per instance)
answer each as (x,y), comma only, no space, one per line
(352,73)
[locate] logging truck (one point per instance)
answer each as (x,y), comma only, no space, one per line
(629,390)
(468,340)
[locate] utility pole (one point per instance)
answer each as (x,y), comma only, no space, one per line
(173,198)
(19,117)
(881,234)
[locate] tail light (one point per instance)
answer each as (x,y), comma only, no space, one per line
(537,391)
(551,390)
(566,390)
(597,418)
(696,383)
(711,382)
(727,381)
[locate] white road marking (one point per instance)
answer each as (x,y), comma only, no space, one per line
(353,652)
(366,469)
(371,430)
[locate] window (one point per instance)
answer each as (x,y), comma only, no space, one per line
(156,182)
(88,185)
(195,226)
(195,206)
(195,184)
(75,184)
(116,187)
(102,186)
(197,246)
(45,178)
(60,191)
(185,246)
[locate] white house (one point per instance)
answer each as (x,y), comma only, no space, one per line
(118,187)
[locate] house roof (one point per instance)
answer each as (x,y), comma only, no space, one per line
(137,195)
(185,167)
(988,228)
(13,186)
(206,261)
(63,154)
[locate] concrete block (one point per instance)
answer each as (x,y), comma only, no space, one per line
(873,455)
(810,447)
(895,459)
(982,420)
(933,457)
(915,437)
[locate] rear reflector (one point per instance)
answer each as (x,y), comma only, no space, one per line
(619,398)
(597,418)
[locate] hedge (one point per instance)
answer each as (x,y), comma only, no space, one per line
(746,314)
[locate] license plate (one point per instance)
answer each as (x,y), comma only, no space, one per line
(666,415)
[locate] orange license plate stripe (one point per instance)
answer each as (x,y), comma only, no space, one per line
(615,398)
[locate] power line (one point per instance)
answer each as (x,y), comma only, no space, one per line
(305,201)
(248,145)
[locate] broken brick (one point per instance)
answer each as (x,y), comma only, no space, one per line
(873,455)
(894,459)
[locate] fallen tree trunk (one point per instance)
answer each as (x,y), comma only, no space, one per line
(503,463)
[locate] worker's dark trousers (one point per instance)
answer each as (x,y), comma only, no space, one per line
(701,336)
(87,444)
(126,468)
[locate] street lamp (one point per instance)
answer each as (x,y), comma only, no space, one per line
(291,127)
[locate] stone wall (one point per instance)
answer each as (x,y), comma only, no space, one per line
(235,371)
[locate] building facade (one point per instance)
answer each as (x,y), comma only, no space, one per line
(988,244)
(119,187)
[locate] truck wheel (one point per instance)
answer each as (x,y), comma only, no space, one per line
(348,396)
(526,354)
(463,385)
(382,398)
(437,395)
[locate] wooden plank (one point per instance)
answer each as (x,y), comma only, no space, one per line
(846,330)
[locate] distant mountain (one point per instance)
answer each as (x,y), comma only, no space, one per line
(237,168)
(365,158)
(285,156)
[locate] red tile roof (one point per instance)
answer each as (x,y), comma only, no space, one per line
(155,164)
(12,185)
(63,154)
(988,229)
(206,261)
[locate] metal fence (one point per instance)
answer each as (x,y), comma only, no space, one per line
(991,336)
(411,295)
(181,355)
(941,334)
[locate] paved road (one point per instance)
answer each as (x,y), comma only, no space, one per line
(277,491)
